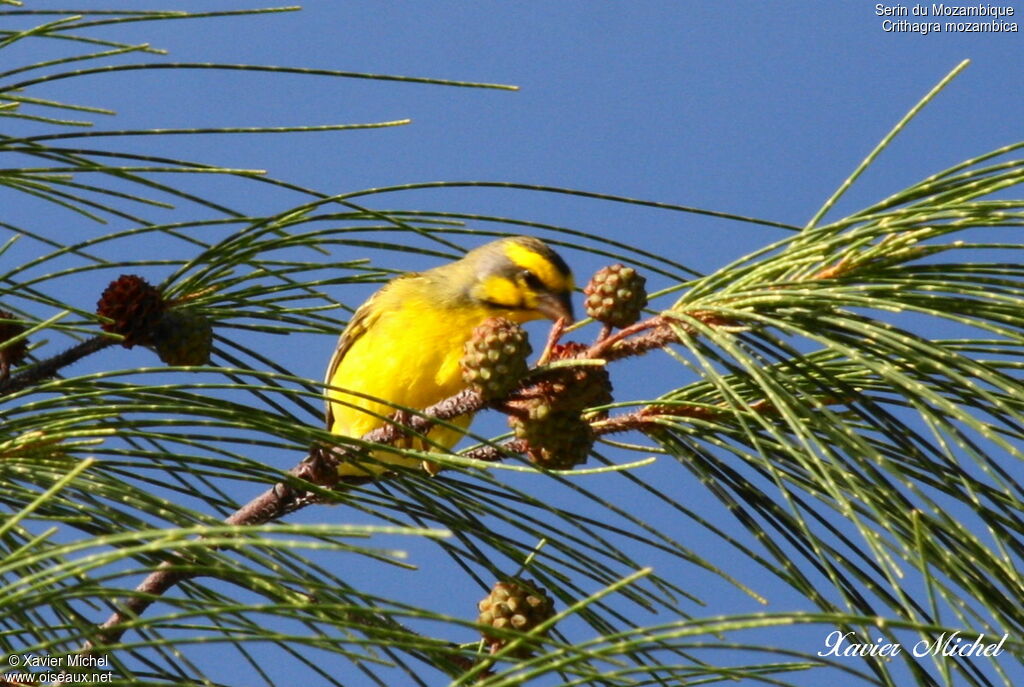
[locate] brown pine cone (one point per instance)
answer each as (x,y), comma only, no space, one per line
(134,308)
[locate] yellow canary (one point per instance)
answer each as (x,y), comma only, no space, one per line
(403,346)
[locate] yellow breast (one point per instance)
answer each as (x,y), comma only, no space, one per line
(408,355)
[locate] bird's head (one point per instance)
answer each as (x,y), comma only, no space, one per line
(520,278)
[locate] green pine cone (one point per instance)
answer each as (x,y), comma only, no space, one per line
(580,387)
(519,605)
(616,295)
(494,358)
(183,338)
(556,439)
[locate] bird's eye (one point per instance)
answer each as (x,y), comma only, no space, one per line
(531,280)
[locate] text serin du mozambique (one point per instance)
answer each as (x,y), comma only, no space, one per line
(941,9)
(992,18)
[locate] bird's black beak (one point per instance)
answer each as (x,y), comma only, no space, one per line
(556,305)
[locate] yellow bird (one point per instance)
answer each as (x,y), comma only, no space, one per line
(403,345)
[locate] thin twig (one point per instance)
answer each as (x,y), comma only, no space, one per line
(557,329)
(45,369)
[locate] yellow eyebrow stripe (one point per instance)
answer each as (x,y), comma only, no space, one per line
(540,265)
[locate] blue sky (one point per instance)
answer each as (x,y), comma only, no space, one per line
(747,107)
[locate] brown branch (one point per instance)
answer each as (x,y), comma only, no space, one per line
(45,369)
(155,584)
(319,468)
(655,332)
(643,420)
(162,579)
(636,420)
(604,345)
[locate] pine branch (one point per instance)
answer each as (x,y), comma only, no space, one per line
(319,467)
(45,369)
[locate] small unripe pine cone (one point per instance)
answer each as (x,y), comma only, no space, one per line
(576,388)
(519,606)
(555,439)
(616,295)
(494,358)
(134,308)
(593,388)
(183,338)
(12,354)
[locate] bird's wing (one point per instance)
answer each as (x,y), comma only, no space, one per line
(363,319)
